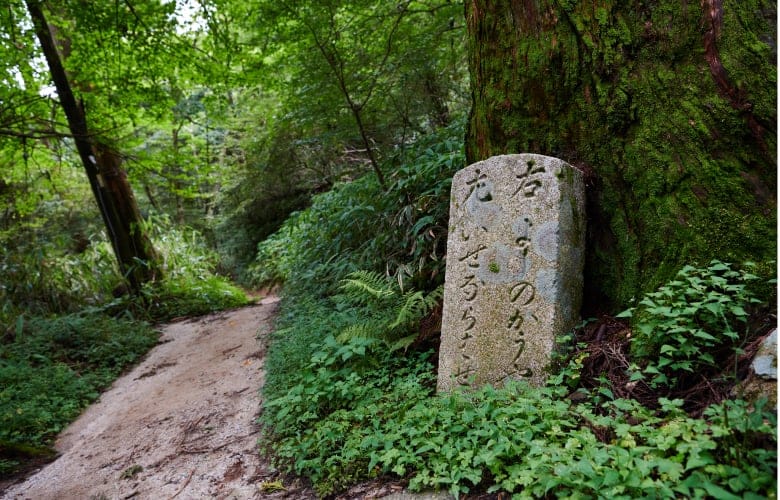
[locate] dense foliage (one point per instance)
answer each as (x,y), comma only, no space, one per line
(50,369)
(48,279)
(693,324)
(357,226)
(345,421)
(328,132)
(341,407)
(354,411)
(337,87)
(350,226)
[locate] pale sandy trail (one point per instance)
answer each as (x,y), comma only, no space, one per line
(181,424)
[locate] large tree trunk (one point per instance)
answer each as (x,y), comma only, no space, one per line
(669,106)
(118,208)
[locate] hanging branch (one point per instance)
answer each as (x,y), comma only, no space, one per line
(337,66)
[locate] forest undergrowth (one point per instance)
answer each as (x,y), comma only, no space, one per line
(70,327)
(639,408)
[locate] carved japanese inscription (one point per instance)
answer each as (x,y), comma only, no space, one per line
(514,268)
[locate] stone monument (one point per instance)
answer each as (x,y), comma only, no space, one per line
(514,268)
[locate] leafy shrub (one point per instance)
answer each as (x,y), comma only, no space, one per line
(183,250)
(96,341)
(342,397)
(190,296)
(691,324)
(48,279)
(42,279)
(38,401)
(302,325)
(401,232)
(369,308)
(190,285)
(357,412)
(50,369)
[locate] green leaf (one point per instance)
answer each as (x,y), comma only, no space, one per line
(707,358)
(19,326)
(737,310)
(697,460)
(717,492)
(421,223)
(701,334)
(717,265)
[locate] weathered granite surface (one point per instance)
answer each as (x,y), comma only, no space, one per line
(765,362)
(762,381)
(514,268)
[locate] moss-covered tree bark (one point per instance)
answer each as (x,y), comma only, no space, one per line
(669,106)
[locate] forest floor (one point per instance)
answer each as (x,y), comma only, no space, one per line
(181,424)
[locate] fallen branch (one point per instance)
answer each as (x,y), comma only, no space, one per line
(183,485)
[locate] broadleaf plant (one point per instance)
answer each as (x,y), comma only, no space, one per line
(686,323)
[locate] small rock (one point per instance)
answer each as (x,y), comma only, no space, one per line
(765,361)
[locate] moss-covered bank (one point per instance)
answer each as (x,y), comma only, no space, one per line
(669,105)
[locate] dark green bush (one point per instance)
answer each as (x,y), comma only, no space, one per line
(344,396)
(356,226)
(357,412)
(50,369)
(692,324)
(51,280)
(401,232)
(190,296)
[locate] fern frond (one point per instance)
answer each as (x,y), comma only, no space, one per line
(366,330)
(415,306)
(388,315)
(403,343)
(409,309)
(433,299)
(365,286)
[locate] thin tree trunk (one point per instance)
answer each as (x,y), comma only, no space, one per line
(134,252)
(356,112)
(176,172)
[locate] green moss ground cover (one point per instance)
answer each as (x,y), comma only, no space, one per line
(52,368)
(65,337)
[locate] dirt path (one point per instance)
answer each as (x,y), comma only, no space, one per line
(181,424)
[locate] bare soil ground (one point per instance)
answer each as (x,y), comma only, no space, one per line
(181,424)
